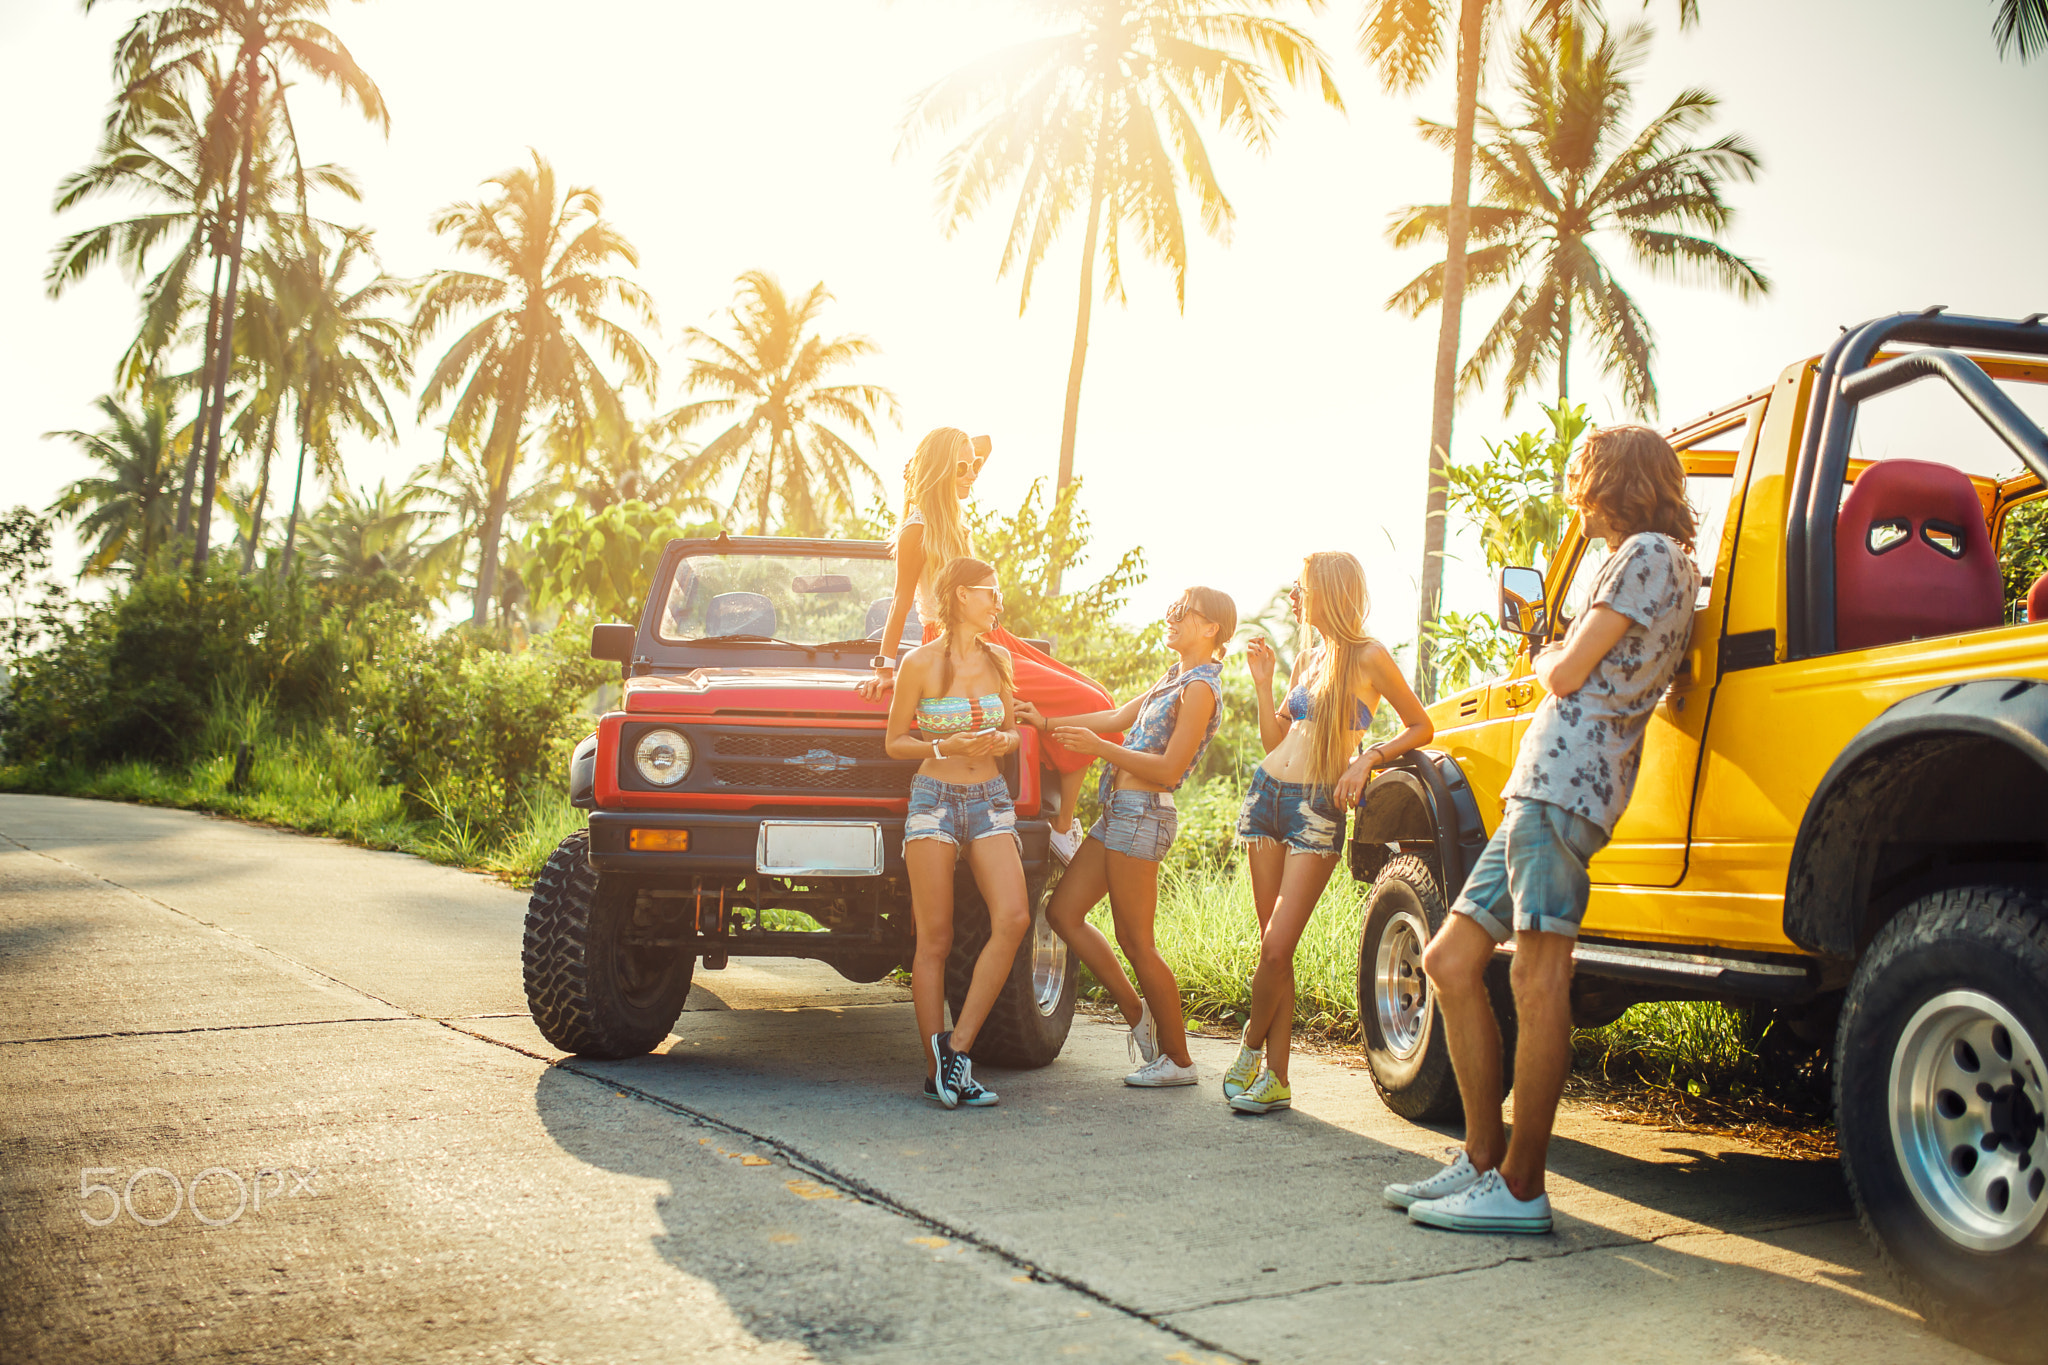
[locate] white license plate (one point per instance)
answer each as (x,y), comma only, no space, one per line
(840,848)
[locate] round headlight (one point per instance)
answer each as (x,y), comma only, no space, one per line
(663,757)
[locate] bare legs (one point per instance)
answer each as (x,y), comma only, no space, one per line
(999,873)
(1285,889)
(1132,885)
(1071,786)
(1456,963)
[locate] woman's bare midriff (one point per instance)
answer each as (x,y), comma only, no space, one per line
(1290,760)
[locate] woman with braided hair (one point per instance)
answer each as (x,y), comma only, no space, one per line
(955,707)
(931,535)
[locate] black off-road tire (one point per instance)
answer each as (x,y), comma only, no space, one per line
(1937,960)
(1398,1023)
(588,994)
(1026,1028)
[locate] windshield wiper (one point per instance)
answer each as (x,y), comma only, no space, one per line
(859,642)
(744,638)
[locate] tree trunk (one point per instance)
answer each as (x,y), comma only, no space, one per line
(251,79)
(205,393)
(291,525)
(504,439)
(1071,421)
(261,499)
(1458,225)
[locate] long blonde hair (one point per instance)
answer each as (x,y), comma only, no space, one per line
(963,572)
(931,487)
(1335,582)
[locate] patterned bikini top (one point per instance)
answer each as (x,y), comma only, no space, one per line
(1301,706)
(941,717)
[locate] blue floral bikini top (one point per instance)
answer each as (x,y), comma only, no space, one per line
(1301,706)
(1159,712)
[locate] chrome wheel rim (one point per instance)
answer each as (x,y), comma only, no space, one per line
(1048,965)
(1400,990)
(1968,1119)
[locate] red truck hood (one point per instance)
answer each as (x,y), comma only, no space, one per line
(708,691)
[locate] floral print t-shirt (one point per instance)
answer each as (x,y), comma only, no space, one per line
(1582,751)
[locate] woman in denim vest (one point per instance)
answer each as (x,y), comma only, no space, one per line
(1168,728)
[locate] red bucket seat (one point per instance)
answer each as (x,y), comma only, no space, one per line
(1913,557)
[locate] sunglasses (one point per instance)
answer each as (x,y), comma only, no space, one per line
(1179,612)
(991,589)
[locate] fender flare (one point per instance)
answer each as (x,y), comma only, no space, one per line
(1422,798)
(1827,882)
(583,773)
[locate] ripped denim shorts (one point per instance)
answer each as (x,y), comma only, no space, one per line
(1292,813)
(960,813)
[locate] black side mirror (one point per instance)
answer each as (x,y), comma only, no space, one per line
(1521,602)
(612,641)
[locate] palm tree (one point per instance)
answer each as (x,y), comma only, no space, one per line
(163,48)
(2021,26)
(1108,115)
(527,354)
(359,535)
(343,353)
(125,511)
(770,380)
(611,460)
(1557,179)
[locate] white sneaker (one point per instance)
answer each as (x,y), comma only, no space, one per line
(1067,842)
(1162,1070)
(1144,1038)
(1457,1176)
(1487,1205)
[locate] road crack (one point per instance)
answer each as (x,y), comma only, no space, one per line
(206,1028)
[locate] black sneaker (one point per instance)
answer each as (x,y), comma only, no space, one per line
(973,1092)
(945,1088)
(931,1092)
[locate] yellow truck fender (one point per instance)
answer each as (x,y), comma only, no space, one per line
(1920,793)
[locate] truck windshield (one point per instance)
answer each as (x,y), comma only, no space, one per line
(797,599)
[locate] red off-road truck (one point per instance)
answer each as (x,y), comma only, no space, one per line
(742,804)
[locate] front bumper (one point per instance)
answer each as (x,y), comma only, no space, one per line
(722,844)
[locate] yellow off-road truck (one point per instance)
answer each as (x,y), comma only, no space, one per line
(1842,810)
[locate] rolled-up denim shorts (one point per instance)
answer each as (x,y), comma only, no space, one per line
(1137,824)
(959,813)
(1296,814)
(1533,872)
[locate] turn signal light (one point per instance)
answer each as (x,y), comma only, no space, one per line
(659,841)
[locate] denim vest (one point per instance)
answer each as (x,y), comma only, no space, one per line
(1159,712)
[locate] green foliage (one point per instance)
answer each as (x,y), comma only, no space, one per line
(1471,646)
(470,732)
(1082,624)
(601,562)
(2023,548)
(1514,498)
(35,601)
(138,675)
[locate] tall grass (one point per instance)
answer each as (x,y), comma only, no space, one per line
(320,780)
(1209,934)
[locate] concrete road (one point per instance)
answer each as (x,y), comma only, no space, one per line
(321,1125)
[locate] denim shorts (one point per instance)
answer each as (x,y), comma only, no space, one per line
(1533,872)
(960,813)
(1137,824)
(1296,814)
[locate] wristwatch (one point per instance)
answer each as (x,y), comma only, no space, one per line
(881,661)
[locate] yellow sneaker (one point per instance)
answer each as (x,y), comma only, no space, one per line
(1239,1078)
(1265,1094)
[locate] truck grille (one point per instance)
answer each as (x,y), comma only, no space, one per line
(840,762)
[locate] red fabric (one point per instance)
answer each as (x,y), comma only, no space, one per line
(1053,688)
(2037,599)
(1913,590)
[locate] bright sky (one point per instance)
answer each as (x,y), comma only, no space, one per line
(1285,412)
